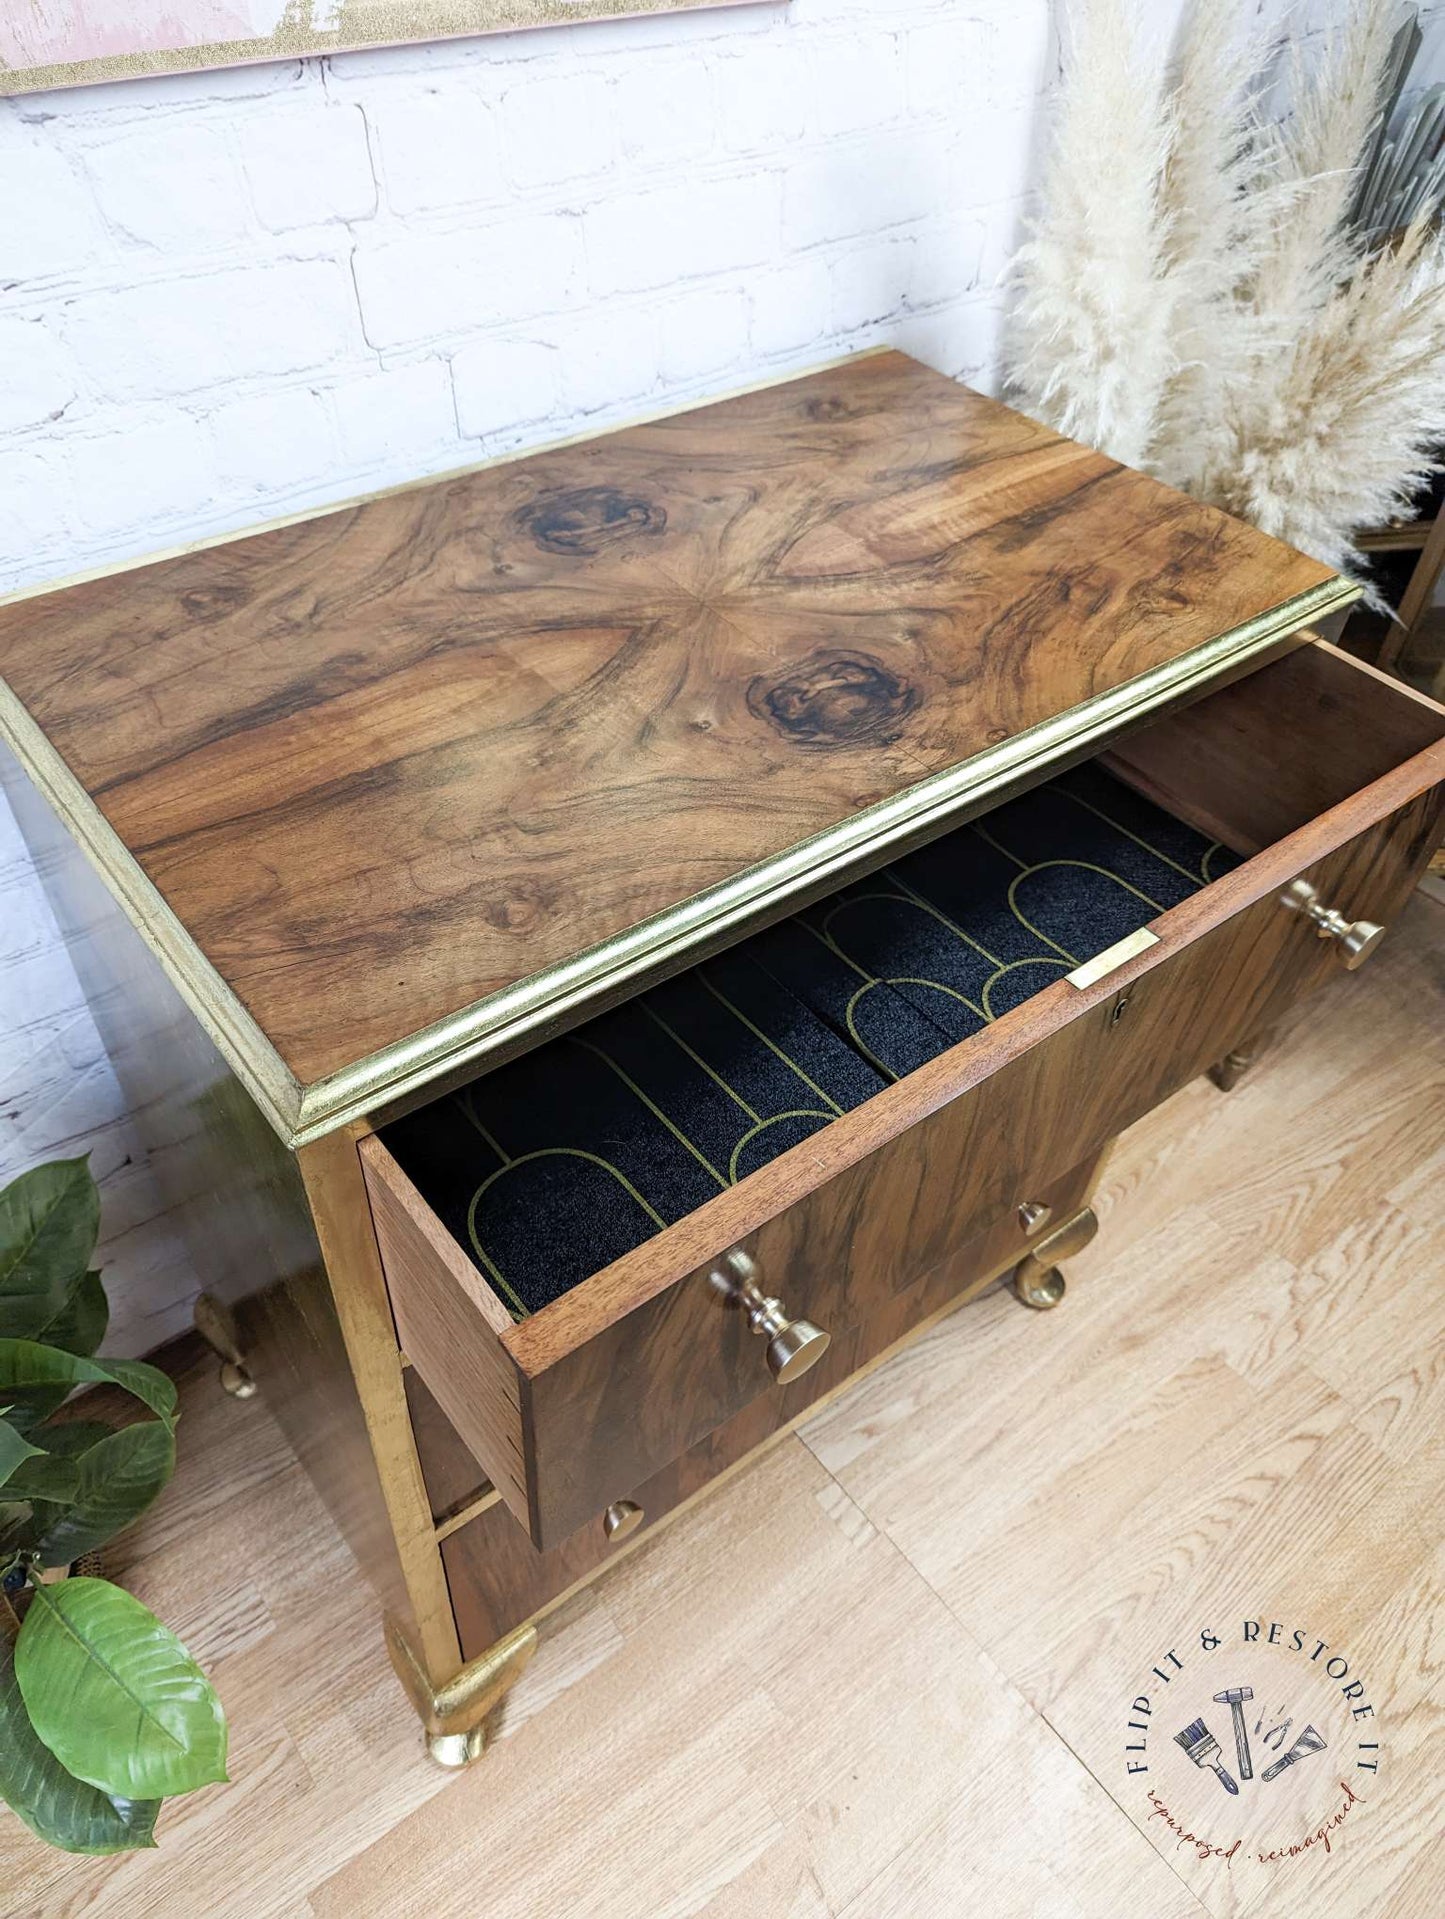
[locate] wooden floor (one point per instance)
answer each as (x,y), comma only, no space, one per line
(887,1671)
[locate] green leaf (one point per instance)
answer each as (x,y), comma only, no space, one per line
(24,1364)
(14,1450)
(116,1480)
(115,1695)
(59,1808)
(31,1408)
(15,1526)
(79,1324)
(49,1481)
(49,1219)
(68,1438)
(44,1476)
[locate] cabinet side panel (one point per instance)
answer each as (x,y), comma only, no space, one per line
(222,1181)
(228,1192)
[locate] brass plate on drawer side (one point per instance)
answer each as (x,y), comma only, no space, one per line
(1112,958)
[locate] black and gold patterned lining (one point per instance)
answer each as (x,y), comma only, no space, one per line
(552,1167)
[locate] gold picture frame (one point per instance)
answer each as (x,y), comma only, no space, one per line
(34,40)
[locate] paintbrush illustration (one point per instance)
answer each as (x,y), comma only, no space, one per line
(1202,1747)
(1309,1741)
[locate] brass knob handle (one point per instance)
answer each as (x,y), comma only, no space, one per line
(1355,940)
(621,1519)
(793,1345)
(1034,1216)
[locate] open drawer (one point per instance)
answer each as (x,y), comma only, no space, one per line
(1312,770)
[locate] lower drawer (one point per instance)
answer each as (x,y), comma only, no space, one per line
(497,1577)
(1313,769)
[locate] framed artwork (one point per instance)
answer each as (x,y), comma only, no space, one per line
(67,43)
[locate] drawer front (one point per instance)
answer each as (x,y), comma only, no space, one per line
(571,1409)
(609,1411)
(498,1578)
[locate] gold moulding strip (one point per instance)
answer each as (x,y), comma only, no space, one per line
(237,1037)
(521,1016)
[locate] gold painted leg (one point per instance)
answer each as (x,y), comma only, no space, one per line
(1037,1280)
(1229,1071)
(452,1714)
(214,1323)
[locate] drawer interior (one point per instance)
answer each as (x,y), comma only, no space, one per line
(551,1168)
(851,1095)
(1256,761)
(547,1170)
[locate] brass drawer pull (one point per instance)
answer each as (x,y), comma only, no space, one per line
(1034,1216)
(1355,940)
(794,1345)
(621,1519)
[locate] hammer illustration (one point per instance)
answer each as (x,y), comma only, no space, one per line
(1235,1698)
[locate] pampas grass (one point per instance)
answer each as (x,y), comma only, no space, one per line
(1347,431)
(1093,340)
(1191,298)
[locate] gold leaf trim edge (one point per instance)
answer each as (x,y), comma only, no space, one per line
(550,1001)
(235,1033)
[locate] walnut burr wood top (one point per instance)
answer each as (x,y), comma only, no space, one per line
(391,768)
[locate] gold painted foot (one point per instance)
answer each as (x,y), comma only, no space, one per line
(1037,1280)
(214,1323)
(453,1750)
(1229,1071)
(452,1714)
(1038,1287)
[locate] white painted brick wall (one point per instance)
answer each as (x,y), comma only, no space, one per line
(235,294)
(227,296)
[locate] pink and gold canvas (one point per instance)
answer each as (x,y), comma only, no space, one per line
(59,43)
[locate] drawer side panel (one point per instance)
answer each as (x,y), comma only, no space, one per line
(448,1325)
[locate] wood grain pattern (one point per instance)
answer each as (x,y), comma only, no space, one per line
(636,1365)
(337,1195)
(1261,758)
(604,1412)
(1221,1373)
(632,1282)
(453,1475)
(666,1752)
(384,763)
(498,1579)
(449,1322)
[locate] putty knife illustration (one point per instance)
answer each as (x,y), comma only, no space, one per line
(1309,1741)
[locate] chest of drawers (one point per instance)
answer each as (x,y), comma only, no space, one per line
(612,942)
